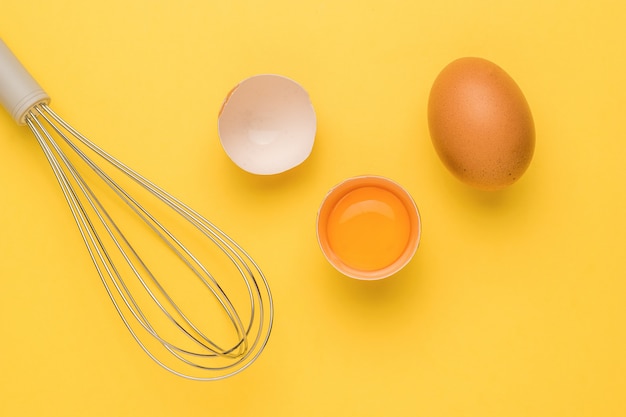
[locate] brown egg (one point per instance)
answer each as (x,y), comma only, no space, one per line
(480,124)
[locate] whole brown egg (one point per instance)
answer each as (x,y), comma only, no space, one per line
(480,123)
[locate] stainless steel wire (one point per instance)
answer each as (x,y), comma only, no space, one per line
(163,324)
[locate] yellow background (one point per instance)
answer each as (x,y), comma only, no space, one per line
(514,304)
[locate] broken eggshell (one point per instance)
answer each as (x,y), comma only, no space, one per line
(267,124)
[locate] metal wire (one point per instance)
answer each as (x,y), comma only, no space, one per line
(158,321)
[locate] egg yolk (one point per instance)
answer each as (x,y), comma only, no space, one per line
(368,229)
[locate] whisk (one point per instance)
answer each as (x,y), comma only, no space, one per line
(151,251)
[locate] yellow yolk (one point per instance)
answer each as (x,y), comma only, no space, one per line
(368,229)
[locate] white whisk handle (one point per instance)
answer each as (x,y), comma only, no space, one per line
(19,92)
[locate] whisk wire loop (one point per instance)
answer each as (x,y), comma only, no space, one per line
(202,357)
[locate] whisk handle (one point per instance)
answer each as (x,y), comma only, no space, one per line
(19,92)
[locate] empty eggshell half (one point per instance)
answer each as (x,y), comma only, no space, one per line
(267,124)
